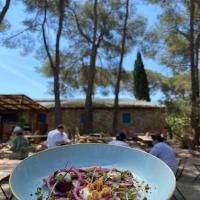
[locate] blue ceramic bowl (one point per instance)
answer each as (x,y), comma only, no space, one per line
(28,175)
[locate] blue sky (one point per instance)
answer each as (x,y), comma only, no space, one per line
(19,76)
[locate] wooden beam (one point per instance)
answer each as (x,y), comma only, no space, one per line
(21,102)
(5,103)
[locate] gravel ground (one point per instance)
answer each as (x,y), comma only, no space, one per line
(187,185)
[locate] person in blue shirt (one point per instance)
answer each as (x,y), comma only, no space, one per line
(120,140)
(164,152)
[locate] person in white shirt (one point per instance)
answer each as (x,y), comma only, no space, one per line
(120,140)
(57,137)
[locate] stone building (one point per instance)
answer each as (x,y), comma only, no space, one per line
(22,111)
(38,116)
(134,116)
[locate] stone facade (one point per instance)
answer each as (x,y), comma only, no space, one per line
(141,120)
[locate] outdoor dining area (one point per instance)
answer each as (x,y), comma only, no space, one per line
(100,100)
(39,124)
(188,175)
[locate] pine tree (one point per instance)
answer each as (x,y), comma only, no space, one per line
(140,87)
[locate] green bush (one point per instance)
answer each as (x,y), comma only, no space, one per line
(177,123)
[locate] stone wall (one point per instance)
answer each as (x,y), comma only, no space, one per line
(142,119)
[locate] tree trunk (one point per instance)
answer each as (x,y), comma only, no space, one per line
(55,66)
(4,10)
(58,116)
(197,53)
(194,78)
(88,125)
(58,113)
(196,139)
(117,87)
(88,103)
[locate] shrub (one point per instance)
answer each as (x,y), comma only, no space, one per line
(177,123)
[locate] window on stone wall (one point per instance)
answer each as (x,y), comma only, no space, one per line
(41,117)
(126,118)
(82,118)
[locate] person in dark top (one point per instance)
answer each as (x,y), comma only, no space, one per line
(120,140)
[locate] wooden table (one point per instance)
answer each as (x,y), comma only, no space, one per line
(145,138)
(145,142)
(6,168)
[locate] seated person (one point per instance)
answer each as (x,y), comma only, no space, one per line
(57,137)
(120,140)
(19,145)
(164,152)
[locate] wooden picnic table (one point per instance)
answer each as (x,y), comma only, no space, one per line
(144,141)
(145,138)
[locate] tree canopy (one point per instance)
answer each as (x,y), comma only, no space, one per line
(81,46)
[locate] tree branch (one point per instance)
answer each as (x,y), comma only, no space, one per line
(4,10)
(34,24)
(183,34)
(21,32)
(78,26)
(44,36)
(100,38)
(95,22)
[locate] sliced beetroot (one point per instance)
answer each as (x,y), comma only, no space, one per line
(76,191)
(63,186)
